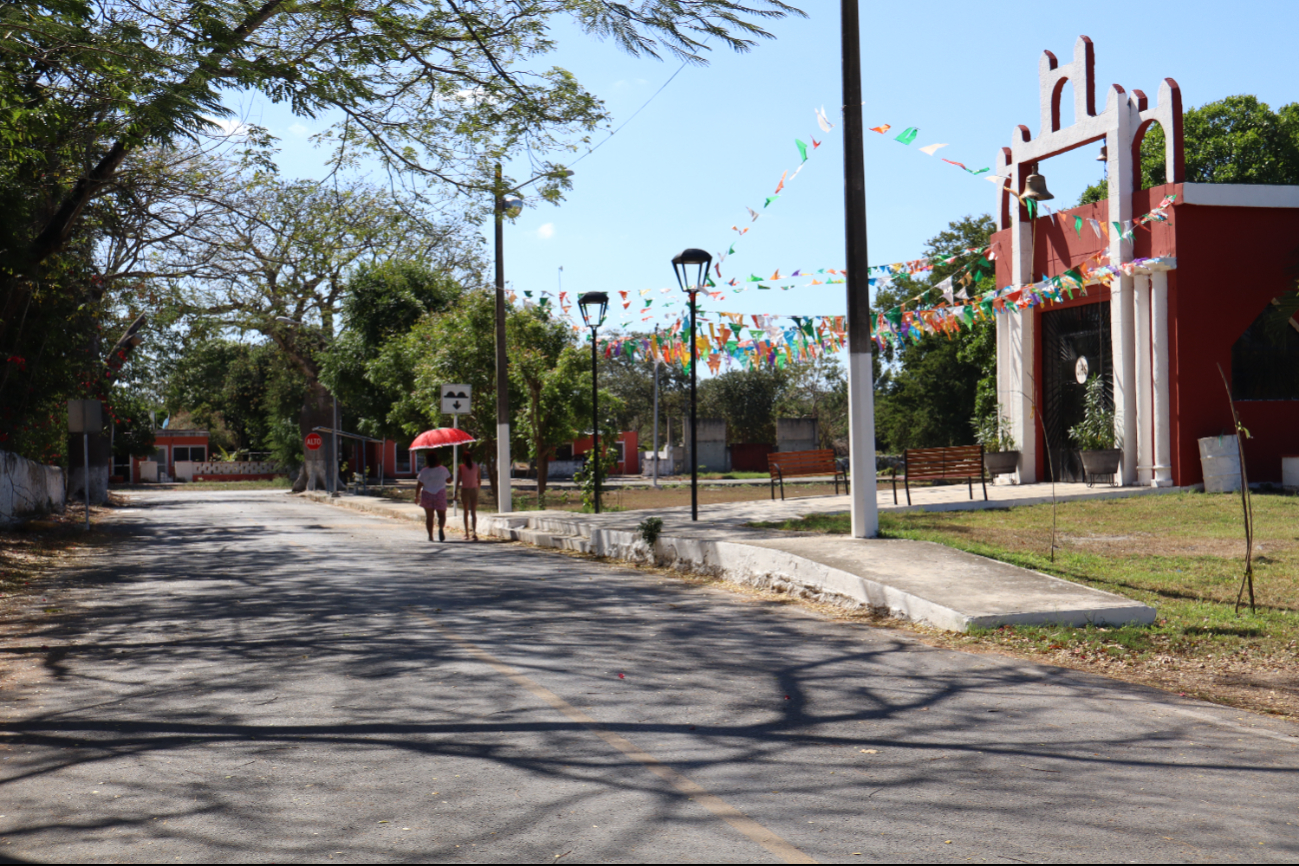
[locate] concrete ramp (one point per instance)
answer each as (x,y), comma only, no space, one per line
(912,580)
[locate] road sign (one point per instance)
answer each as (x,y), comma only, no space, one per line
(314,442)
(455,399)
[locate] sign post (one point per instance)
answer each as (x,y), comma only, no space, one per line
(456,402)
(85,417)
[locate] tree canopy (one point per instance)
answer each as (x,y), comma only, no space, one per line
(1234,140)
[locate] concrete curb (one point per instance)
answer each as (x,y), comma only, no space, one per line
(754,565)
(780,571)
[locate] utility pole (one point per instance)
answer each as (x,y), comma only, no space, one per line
(503,500)
(656,406)
(861,385)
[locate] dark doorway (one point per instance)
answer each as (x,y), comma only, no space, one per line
(1075,344)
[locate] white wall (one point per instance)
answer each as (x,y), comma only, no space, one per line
(28,488)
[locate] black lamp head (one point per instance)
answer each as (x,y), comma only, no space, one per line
(593,305)
(692,260)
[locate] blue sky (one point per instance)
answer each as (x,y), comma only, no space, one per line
(719,137)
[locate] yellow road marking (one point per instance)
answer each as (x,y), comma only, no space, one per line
(719,807)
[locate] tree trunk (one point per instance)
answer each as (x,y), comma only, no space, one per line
(318,466)
(543,469)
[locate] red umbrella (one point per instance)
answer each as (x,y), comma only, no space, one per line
(442,437)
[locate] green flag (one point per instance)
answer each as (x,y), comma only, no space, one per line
(908,135)
(1077,225)
(770,199)
(802,149)
(1118,229)
(1031,204)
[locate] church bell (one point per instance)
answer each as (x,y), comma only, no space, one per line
(1035,188)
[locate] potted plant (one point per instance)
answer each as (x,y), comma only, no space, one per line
(1097,441)
(1000,451)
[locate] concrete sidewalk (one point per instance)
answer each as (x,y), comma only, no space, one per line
(912,580)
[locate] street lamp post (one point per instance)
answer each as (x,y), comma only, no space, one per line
(594,305)
(505,204)
(681,265)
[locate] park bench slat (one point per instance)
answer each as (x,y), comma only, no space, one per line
(793,464)
(951,462)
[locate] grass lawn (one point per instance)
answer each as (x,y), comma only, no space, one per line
(633,499)
(1181,553)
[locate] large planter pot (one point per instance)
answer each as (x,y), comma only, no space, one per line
(1000,462)
(1100,466)
(1220,460)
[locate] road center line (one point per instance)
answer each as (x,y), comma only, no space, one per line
(719,807)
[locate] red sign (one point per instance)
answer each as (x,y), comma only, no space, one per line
(314,441)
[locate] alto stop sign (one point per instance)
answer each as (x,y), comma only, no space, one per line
(314,441)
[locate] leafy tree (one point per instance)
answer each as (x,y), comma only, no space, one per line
(631,381)
(929,391)
(435,91)
(819,389)
(1234,140)
(746,399)
(554,377)
(382,302)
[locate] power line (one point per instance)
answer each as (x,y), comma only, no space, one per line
(633,117)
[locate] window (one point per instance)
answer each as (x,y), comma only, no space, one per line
(160,456)
(403,458)
(1265,360)
(122,466)
(180,452)
(197,453)
(622,451)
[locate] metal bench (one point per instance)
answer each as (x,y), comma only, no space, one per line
(800,464)
(932,464)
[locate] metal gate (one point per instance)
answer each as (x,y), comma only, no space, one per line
(1075,345)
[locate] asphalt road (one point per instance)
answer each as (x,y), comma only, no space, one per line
(253,677)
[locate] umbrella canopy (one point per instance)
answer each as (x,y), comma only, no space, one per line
(442,437)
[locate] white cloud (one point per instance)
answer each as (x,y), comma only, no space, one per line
(299,130)
(546,232)
(229,127)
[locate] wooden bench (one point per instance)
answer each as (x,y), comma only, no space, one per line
(796,464)
(954,462)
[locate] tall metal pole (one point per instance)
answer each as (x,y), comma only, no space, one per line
(595,417)
(694,450)
(85,473)
(656,407)
(861,394)
(504,503)
(334,474)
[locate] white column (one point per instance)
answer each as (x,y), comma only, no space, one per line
(1161,399)
(1145,423)
(1123,336)
(1020,348)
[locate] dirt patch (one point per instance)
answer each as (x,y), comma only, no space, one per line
(37,595)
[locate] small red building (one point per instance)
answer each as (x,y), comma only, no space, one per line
(627,446)
(170,447)
(1194,294)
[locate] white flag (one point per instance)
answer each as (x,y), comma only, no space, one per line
(946,288)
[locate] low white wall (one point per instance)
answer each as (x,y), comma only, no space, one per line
(28,488)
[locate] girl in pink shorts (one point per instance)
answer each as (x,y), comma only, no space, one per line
(431,493)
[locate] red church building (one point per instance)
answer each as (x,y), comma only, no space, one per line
(1194,292)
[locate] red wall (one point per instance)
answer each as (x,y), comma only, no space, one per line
(631,450)
(1231,262)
